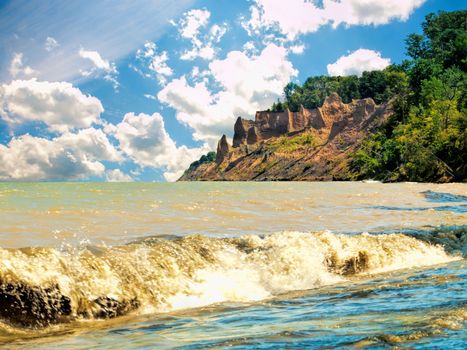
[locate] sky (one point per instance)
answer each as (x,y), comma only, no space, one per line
(137,90)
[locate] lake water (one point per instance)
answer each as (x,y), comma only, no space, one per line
(238,265)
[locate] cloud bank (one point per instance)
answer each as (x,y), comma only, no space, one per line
(71,156)
(293,18)
(59,105)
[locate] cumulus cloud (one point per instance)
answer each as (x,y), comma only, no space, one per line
(59,105)
(17,67)
(191,26)
(144,139)
(155,62)
(116,175)
(71,156)
(51,44)
(296,17)
(90,143)
(248,83)
(291,18)
(80,149)
(365,12)
(357,62)
(100,67)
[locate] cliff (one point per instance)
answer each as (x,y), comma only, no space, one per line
(308,145)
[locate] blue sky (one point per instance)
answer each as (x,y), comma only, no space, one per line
(136,91)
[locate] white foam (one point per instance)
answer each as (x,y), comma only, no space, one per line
(198,271)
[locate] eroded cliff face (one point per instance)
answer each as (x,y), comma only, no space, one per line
(308,145)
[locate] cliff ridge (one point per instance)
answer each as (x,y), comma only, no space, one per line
(309,145)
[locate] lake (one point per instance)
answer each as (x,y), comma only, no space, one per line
(238,265)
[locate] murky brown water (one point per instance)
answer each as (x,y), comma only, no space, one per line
(47,214)
(261,265)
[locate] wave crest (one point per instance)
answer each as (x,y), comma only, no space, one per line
(42,286)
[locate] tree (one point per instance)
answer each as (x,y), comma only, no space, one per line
(416,46)
(425,139)
(349,88)
(373,84)
(427,131)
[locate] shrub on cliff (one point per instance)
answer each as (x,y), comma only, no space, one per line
(287,144)
(205,158)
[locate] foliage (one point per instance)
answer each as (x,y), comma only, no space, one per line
(206,158)
(377,157)
(277,107)
(379,85)
(425,138)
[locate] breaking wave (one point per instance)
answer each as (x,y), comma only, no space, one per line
(43,286)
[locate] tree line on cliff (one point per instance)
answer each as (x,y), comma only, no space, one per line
(425,138)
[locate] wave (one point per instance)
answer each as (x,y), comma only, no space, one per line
(44,286)
(443,197)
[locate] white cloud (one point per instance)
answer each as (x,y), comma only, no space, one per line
(203,45)
(250,48)
(297,49)
(198,75)
(90,143)
(144,139)
(100,67)
(156,62)
(368,12)
(51,44)
(192,21)
(17,67)
(150,97)
(293,18)
(248,83)
(67,157)
(116,175)
(357,62)
(95,58)
(59,105)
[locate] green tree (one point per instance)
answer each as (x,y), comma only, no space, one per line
(425,138)
(373,84)
(349,88)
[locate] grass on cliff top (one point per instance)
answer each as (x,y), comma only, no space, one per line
(287,144)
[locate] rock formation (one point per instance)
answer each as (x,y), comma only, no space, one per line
(262,149)
(25,305)
(223,149)
(274,124)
